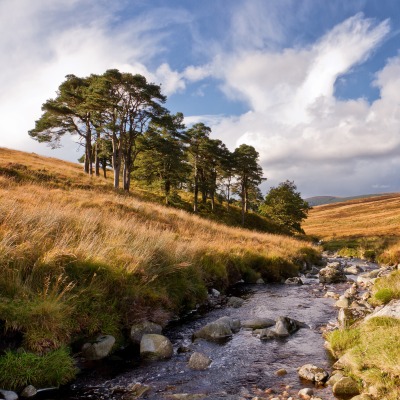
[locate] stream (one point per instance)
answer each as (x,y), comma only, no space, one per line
(242,367)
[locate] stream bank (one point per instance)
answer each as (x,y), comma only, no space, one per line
(242,367)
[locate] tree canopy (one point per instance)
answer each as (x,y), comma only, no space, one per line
(284,205)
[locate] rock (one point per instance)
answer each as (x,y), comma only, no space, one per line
(267,334)
(346,361)
(391,310)
(260,281)
(305,393)
(215,293)
(199,361)
(258,323)
(313,373)
(8,395)
(99,349)
(186,396)
(155,347)
(314,271)
(29,391)
(332,295)
(335,377)
(332,275)
(221,329)
(294,281)
(235,302)
(353,270)
(132,391)
(362,397)
(345,317)
(283,327)
(138,330)
(343,302)
(281,372)
(345,387)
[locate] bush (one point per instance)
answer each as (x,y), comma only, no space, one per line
(21,369)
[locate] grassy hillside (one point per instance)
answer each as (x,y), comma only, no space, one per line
(78,259)
(364,227)
(321,200)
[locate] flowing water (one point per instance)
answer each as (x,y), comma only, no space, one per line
(242,366)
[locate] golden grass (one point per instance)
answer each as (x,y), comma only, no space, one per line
(78,258)
(375,216)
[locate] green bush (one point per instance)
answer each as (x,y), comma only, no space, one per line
(384,295)
(22,369)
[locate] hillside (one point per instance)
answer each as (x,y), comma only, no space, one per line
(78,259)
(370,225)
(321,200)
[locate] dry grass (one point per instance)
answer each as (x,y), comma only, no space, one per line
(78,258)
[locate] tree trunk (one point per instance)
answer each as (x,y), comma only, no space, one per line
(167,189)
(243,202)
(96,159)
(116,160)
(196,188)
(104,166)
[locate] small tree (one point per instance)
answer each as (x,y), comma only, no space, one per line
(284,205)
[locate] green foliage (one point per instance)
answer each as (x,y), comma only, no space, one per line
(284,205)
(343,340)
(386,288)
(21,369)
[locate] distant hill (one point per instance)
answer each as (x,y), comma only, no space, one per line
(321,200)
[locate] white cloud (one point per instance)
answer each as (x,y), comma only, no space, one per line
(300,129)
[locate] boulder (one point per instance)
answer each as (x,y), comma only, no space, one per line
(99,349)
(281,372)
(305,393)
(391,310)
(294,281)
(221,329)
(260,281)
(199,361)
(335,377)
(29,391)
(215,293)
(138,330)
(345,317)
(345,387)
(258,323)
(155,347)
(353,270)
(8,395)
(313,373)
(332,295)
(235,302)
(332,275)
(343,302)
(283,327)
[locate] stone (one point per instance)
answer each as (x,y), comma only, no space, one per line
(305,393)
(294,281)
(343,302)
(283,327)
(215,293)
(155,347)
(258,323)
(331,275)
(235,302)
(138,330)
(345,317)
(221,329)
(29,391)
(99,349)
(353,270)
(260,281)
(313,373)
(332,295)
(199,361)
(345,387)
(186,396)
(8,395)
(392,310)
(335,377)
(281,372)
(362,397)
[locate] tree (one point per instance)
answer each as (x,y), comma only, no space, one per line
(70,113)
(249,174)
(284,205)
(198,138)
(163,157)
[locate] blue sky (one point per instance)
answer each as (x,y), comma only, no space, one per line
(313,85)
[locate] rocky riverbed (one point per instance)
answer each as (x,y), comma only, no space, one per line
(266,333)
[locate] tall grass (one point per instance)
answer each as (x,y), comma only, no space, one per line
(78,258)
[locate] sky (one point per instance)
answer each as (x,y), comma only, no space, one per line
(313,85)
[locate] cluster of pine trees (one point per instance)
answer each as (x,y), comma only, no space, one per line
(122,123)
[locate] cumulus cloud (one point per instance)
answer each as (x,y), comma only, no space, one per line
(300,129)
(41,42)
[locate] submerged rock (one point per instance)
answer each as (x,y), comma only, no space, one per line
(155,347)
(221,329)
(235,302)
(99,349)
(283,327)
(29,391)
(294,281)
(199,361)
(330,274)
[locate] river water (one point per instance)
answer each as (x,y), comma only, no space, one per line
(244,366)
